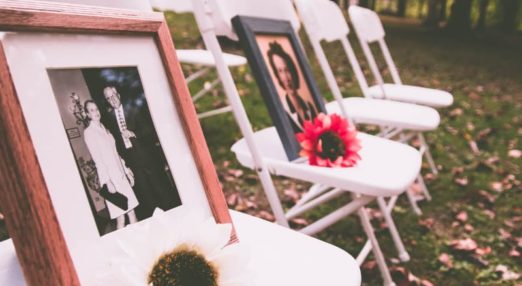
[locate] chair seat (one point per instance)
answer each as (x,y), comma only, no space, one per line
(395,165)
(204,57)
(413,94)
(285,257)
(388,113)
(10,271)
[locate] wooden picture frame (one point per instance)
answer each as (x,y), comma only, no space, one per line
(30,215)
(283,75)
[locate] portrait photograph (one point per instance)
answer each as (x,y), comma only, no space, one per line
(288,79)
(283,75)
(119,156)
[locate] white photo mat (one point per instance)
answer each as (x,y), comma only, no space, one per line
(29,56)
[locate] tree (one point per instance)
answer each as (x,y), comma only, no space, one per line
(432,20)
(442,14)
(401,8)
(460,17)
(483,8)
(510,13)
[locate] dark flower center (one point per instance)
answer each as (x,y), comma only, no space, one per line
(333,145)
(183,267)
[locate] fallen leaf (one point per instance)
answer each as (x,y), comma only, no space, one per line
(232,199)
(369,265)
(483,251)
(235,172)
(462,216)
(250,203)
(474,147)
(446,260)
(466,244)
(506,273)
(489,197)
(483,133)
(462,181)
(429,177)
(514,153)
(496,186)
(427,222)
(300,221)
(514,253)
(292,194)
(456,112)
(489,213)
(265,215)
(457,171)
(504,234)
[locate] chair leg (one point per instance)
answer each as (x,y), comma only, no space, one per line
(399,245)
(423,187)
(379,257)
(427,154)
(413,202)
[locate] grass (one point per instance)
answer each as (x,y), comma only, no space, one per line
(485,76)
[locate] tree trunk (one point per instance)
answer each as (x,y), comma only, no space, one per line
(432,20)
(401,8)
(364,3)
(373,4)
(510,13)
(421,4)
(442,15)
(483,8)
(460,17)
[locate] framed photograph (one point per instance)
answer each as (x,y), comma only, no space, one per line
(283,75)
(98,133)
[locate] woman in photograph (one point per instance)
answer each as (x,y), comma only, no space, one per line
(111,168)
(285,70)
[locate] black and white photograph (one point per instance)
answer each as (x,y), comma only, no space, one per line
(117,150)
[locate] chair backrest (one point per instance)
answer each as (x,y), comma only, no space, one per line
(369,29)
(366,23)
(224,10)
(324,20)
(214,17)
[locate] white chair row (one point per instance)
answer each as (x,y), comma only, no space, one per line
(387,168)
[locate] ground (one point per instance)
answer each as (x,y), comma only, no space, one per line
(471,232)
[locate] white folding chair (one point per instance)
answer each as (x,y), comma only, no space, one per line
(368,28)
(199,58)
(375,176)
(324,21)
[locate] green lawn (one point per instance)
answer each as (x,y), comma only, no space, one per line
(477,195)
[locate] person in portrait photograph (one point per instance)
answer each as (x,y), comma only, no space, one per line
(112,172)
(117,150)
(287,77)
(138,147)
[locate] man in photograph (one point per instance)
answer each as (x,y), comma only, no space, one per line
(297,108)
(138,145)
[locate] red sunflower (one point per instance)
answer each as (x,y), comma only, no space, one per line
(329,141)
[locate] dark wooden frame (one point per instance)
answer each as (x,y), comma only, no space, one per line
(24,198)
(246,28)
